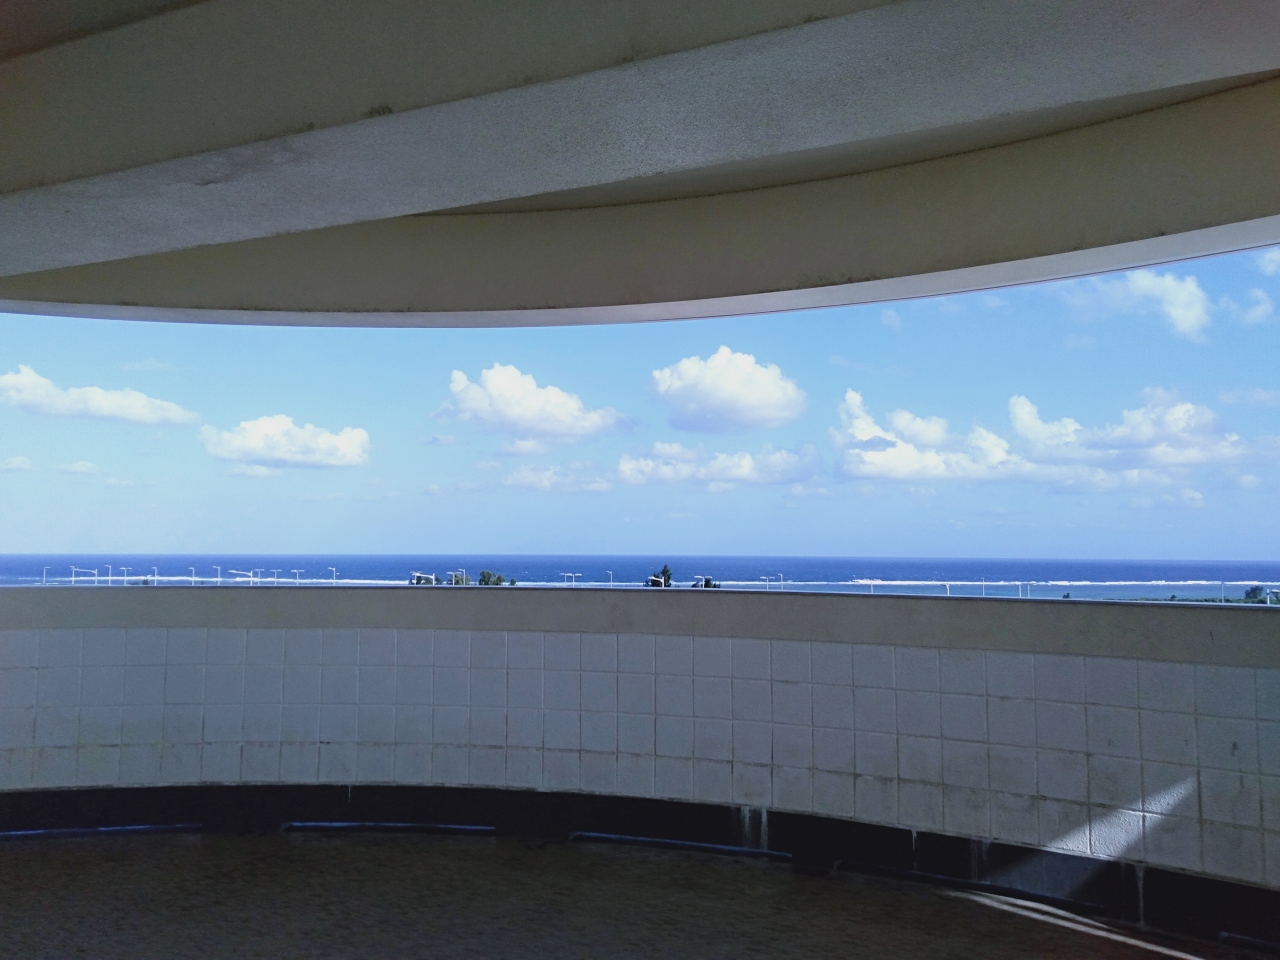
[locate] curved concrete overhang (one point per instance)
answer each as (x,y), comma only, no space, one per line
(658,164)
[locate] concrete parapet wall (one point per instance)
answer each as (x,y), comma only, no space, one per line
(1145,733)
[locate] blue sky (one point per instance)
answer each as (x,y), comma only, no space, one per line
(1131,415)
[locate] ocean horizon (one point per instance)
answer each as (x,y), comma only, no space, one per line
(1011,577)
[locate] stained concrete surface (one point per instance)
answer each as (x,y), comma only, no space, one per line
(411,896)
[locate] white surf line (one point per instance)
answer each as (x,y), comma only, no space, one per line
(1070,921)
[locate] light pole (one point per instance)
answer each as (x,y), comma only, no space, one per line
(610,573)
(193,576)
(219,569)
(275,577)
(44,577)
(126,575)
(108,574)
(335,575)
(297,581)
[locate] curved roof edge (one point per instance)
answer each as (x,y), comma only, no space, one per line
(1229,238)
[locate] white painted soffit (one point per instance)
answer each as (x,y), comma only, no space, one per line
(915,71)
(1251,234)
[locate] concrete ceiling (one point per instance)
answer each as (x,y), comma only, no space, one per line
(26,25)
(525,161)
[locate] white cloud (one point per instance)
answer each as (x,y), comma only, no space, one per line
(728,390)
(278,441)
(80,466)
(890,318)
(1257,397)
(512,402)
(1192,498)
(26,388)
(553,478)
(1025,417)
(872,451)
(1162,432)
(927,430)
(1249,480)
(1269,261)
(1262,308)
(1165,434)
(15,463)
(1165,430)
(438,440)
(675,451)
(1182,301)
(672,463)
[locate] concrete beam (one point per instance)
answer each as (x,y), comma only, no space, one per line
(223,73)
(759,163)
(1188,180)
(881,88)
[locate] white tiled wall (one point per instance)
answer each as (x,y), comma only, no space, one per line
(1168,763)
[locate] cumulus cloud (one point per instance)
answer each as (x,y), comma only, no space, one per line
(728,391)
(553,478)
(1025,417)
(508,400)
(672,463)
(1269,261)
(1164,434)
(927,430)
(15,463)
(276,441)
(872,451)
(1181,300)
(1166,430)
(28,389)
(1260,309)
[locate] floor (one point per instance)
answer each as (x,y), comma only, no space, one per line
(414,896)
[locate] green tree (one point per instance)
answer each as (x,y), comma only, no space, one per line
(662,578)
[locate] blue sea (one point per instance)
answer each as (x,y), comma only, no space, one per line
(1080,579)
